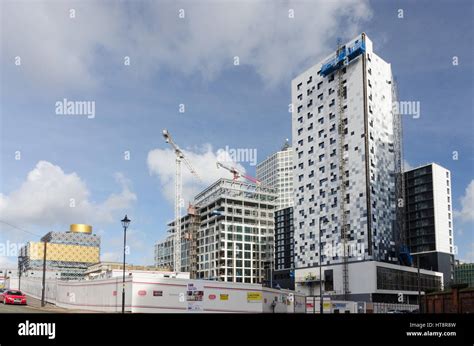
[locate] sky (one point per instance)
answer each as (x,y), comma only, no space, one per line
(217,76)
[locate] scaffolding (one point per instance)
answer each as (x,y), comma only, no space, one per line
(400,236)
(192,235)
(341,92)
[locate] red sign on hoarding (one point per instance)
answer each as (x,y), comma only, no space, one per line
(142,293)
(212,296)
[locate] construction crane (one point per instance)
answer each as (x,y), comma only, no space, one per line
(237,174)
(178,197)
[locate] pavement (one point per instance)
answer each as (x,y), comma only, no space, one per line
(34,307)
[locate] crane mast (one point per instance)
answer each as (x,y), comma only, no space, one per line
(178,197)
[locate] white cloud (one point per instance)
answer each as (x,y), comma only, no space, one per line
(72,51)
(161,162)
(8,262)
(50,197)
(466,214)
(468,257)
(407,166)
(111,257)
(139,248)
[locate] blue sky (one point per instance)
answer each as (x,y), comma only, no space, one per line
(76,50)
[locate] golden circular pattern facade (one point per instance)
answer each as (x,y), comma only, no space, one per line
(80,228)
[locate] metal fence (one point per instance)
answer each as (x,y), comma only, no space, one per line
(383,308)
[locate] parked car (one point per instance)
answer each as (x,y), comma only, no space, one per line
(13,297)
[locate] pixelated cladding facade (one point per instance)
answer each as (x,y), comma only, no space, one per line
(64,252)
(369,159)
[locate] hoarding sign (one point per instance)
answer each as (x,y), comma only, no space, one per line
(195,306)
(195,292)
(212,296)
(224,297)
(157,293)
(194,296)
(142,293)
(192,287)
(254,297)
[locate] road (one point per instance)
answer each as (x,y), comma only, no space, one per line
(33,307)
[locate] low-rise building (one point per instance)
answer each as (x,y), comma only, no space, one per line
(371,281)
(104,270)
(464,273)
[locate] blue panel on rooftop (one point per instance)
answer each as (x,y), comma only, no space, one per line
(345,56)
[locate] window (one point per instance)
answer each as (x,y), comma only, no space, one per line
(320,84)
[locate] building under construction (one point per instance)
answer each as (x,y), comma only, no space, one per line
(164,249)
(229,233)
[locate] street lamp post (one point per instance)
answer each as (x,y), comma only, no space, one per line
(325,220)
(272,263)
(125,223)
(43,289)
(19,272)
